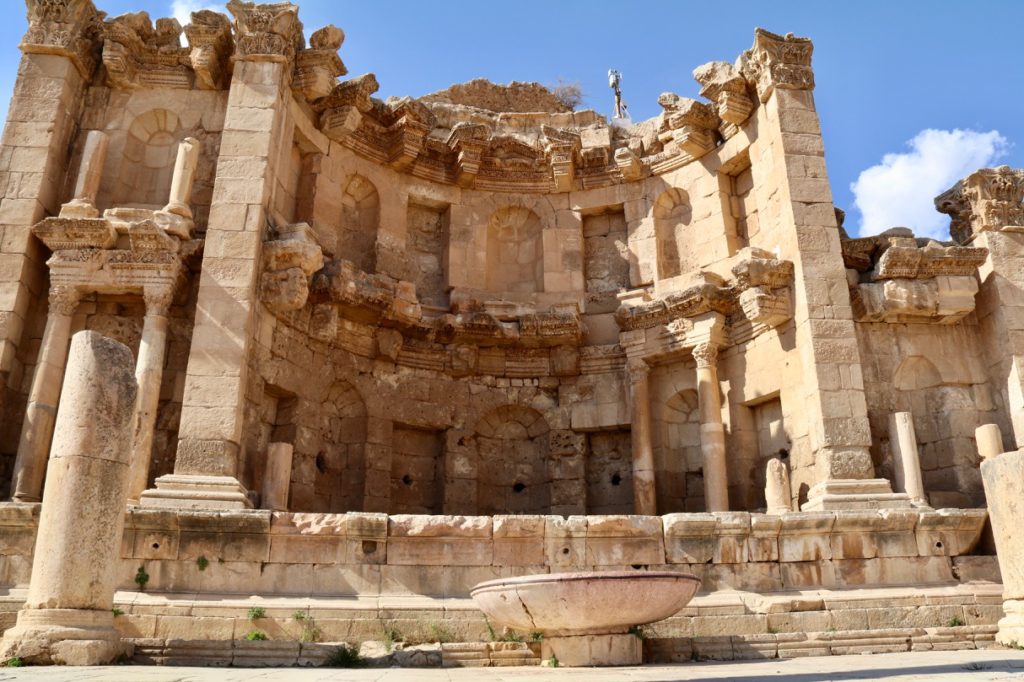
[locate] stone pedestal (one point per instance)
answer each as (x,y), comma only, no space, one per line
(905,460)
(644,495)
(592,650)
(712,431)
(67,616)
(34,444)
(1003,477)
(777,492)
(836,494)
(277,477)
(989,441)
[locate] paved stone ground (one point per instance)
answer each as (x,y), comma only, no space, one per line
(972,666)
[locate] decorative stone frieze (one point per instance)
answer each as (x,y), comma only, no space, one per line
(690,124)
(266,32)
(341,112)
(210,48)
(468,141)
(723,84)
(72,28)
(777,61)
(561,150)
(987,199)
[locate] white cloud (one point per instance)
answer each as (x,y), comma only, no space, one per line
(900,191)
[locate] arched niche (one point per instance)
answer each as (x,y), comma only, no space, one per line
(672,216)
(678,461)
(515,251)
(147,160)
(360,220)
(513,475)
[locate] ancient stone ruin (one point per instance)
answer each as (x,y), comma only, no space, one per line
(388,349)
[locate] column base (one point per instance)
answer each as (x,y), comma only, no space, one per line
(1011,626)
(854,493)
(64,637)
(592,650)
(184,491)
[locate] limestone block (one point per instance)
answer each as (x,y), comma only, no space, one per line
(519,540)
(624,540)
(689,538)
(763,543)
(805,536)
(593,650)
(565,542)
(731,536)
(415,540)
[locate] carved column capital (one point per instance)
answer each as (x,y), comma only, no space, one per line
(638,369)
(158,299)
(706,355)
(988,199)
(266,32)
(70,28)
(778,62)
(209,37)
(64,299)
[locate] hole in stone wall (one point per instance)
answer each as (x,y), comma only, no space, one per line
(616,479)
(321,462)
(369,547)
(518,487)
(156,545)
(783,453)
(407,479)
(565,550)
(938,544)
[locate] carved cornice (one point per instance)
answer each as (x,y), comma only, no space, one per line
(71,28)
(136,54)
(691,125)
(777,61)
(266,32)
(723,84)
(987,199)
(900,255)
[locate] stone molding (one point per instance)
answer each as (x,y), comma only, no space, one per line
(71,28)
(777,61)
(989,199)
(268,32)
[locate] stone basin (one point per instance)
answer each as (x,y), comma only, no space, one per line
(585,617)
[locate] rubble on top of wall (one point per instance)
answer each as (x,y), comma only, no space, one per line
(897,277)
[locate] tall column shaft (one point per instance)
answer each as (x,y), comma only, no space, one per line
(41,411)
(644,495)
(905,460)
(712,431)
(66,618)
(149,372)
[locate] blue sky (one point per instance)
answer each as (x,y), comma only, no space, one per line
(912,95)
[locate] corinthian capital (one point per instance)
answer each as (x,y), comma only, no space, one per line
(70,28)
(706,355)
(64,299)
(778,62)
(158,299)
(266,32)
(988,199)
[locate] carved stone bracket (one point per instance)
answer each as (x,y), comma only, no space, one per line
(469,141)
(211,46)
(410,123)
(723,84)
(288,264)
(71,28)
(266,32)
(561,150)
(777,61)
(987,199)
(690,124)
(317,68)
(342,110)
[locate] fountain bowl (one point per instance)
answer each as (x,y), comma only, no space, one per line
(585,618)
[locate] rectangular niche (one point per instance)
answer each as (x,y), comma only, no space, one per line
(737,185)
(609,467)
(427,248)
(417,471)
(605,270)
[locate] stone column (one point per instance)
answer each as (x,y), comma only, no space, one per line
(778,495)
(37,429)
(90,172)
(906,462)
(184,174)
(712,431)
(277,477)
(57,63)
(149,372)
(644,494)
(1003,477)
(251,154)
(67,616)
(989,440)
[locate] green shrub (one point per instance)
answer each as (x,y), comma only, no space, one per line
(257,612)
(345,656)
(141,577)
(255,636)
(202,562)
